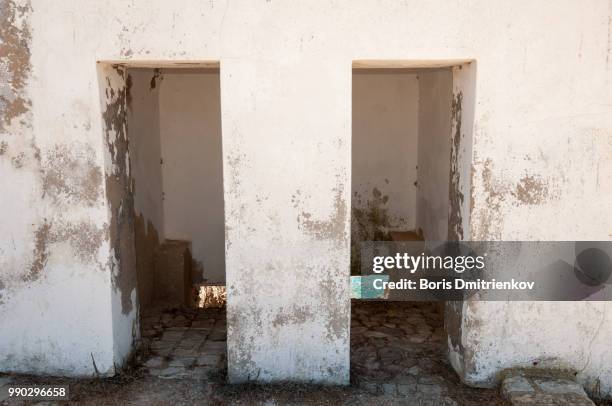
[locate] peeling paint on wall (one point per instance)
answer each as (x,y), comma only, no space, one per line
(71,175)
(242,335)
(119,188)
(328,229)
(14,60)
(84,238)
(370,221)
(41,251)
(455,221)
(295,315)
(531,190)
(338,316)
(489,224)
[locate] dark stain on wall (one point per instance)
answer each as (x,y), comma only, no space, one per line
(146,248)
(495,194)
(18,160)
(453,318)
(85,238)
(371,218)
(455,221)
(338,320)
(119,192)
(531,190)
(295,315)
(155,79)
(370,222)
(128,91)
(71,174)
(41,251)
(329,229)
(242,337)
(15,52)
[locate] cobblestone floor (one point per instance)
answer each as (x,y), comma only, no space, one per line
(184,343)
(398,349)
(397,358)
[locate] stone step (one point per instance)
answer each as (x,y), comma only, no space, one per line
(523,389)
(173,273)
(406,235)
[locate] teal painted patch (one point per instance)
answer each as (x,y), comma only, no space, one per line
(362,287)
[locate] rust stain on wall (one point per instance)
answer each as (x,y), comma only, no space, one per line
(455,221)
(15,64)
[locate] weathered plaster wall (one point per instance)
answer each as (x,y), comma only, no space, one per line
(54,245)
(434,145)
(145,158)
(384,153)
(114,87)
(541,152)
(190,122)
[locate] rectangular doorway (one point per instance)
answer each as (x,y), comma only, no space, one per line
(403,161)
(176,171)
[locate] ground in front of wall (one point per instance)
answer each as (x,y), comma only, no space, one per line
(397,357)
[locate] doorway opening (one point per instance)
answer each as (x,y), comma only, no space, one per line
(411,154)
(174,132)
(165,188)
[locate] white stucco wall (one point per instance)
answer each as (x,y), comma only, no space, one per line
(190,123)
(145,148)
(541,112)
(384,148)
(145,166)
(434,146)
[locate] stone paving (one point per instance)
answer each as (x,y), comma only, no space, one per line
(398,349)
(524,390)
(398,356)
(397,352)
(184,343)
